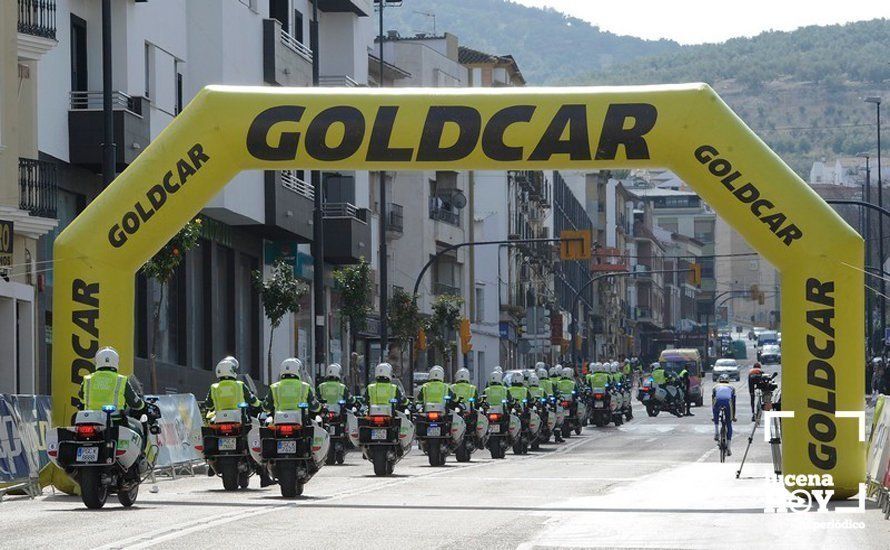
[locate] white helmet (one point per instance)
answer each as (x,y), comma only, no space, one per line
(540,365)
(496,377)
(107,358)
(227,368)
(533,380)
(333,371)
(616,365)
(518,377)
(291,367)
(568,372)
(498,368)
(234,362)
(555,371)
(597,367)
(542,373)
(437,373)
(462,375)
(383,370)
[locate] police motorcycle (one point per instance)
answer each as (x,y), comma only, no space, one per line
(664,397)
(574,408)
(503,425)
(226,447)
(476,434)
(106,454)
(603,403)
(530,425)
(624,408)
(383,433)
(439,429)
(291,445)
(334,421)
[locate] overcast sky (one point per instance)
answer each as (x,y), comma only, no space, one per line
(696,22)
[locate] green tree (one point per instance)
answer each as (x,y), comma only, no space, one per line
(161,267)
(354,285)
(404,320)
(281,294)
(443,323)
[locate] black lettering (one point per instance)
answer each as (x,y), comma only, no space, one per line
(79,369)
(825,435)
(353,133)
(820,292)
(829,452)
(85,352)
(577,145)
(143,215)
(130,222)
(86,294)
(258,133)
(169,185)
(381,135)
(758,206)
(747,193)
(820,373)
(826,407)
(469,124)
(789,233)
(197,155)
(822,353)
(820,319)
(614,133)
(493,137)
(156,196)
(116,236)
(86,319)
(185,171)
(720,167)
(727,181)
(705,154)
(774,221)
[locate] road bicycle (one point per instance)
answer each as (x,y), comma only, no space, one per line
(721,441)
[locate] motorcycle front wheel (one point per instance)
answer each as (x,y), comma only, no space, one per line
(92,492)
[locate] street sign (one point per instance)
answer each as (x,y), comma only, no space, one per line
(6,240)
(575,245)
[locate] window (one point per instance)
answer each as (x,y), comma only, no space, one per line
(147,74)
(298,26)
(178,91)
(224,315)
(79,82)
(246,316)
(704,230)
(669,224)
(278,9)
(479,313)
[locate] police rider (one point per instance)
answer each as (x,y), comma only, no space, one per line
(228,392)
(435,390)
(462,388)
(290,391)
(723,398)
(332,390)
(382,391)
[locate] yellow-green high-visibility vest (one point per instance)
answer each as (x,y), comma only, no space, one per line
(464,390)
(381,393)
(104,387)
(227,394)
(331,391)
(434,392)
(288,393)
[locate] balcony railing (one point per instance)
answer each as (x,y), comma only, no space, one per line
(295,46)
(344,210)
(37,187)
(395,218)
(337,81)
(292,182)
(445,288)
(93,101)
(439,213)
(38,18)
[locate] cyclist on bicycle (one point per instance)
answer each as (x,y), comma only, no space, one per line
(754,376)
(723,398)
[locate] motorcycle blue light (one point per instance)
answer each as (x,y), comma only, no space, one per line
(342,401)
(242,405)
(108,408)
(304,405)
(393,401)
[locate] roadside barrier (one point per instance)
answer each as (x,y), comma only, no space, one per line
(878,460)
(23,424)
(180,436)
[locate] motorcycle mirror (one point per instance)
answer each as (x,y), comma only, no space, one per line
(143,419)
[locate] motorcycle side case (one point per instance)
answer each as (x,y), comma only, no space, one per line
(131,443)
(515,427)
(661,394)
(255,443)
(534,423)
(321,442)
(582,409)
(551,420)
(458,428)
(482,427)
(352,429)
(406,432)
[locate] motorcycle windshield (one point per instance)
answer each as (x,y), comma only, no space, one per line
(248,381)
(136,384)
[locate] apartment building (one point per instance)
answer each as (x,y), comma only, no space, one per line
(28,206)
(163,54)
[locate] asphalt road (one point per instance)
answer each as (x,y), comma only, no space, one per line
(652,483)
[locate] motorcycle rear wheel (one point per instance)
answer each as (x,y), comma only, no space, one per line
(435,453)
(332,456)
(380,460)
(462,454)
(92,492)
(128,498)
(229,471)
(341,456)
(288,482)
(243,480)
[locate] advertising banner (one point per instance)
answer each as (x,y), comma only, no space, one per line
(879,443)
(180,425)
(16,463)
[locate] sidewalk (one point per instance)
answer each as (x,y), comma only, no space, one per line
(703,505)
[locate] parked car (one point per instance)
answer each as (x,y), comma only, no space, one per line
(729,367)
(770,354)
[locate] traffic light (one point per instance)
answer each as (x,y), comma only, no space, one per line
(575,245)
(695,274)
(465,336)
(421,340)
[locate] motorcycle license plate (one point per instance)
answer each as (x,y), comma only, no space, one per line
(379,434)
(87,454)
(646,397)
(495,428)
(287,447)
(228,444)
(434,431)
(598,404)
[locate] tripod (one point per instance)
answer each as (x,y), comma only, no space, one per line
(764,402)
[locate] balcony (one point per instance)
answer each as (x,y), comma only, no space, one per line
(440,213)
(395,219)
(361,8)
(85,128)
(440,289)
(289,207)
(286,61)
(337,81)
(36,28)
(37,187)
(347,234)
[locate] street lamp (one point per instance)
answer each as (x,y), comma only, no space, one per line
(866,233)
(877,102)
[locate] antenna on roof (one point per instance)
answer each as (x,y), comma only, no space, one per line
(429,15)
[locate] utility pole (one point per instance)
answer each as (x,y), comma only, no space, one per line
(877,102)
(869,314)
(109,154)
(382,259)
(321,340)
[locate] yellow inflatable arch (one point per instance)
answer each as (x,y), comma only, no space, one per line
(686,128)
